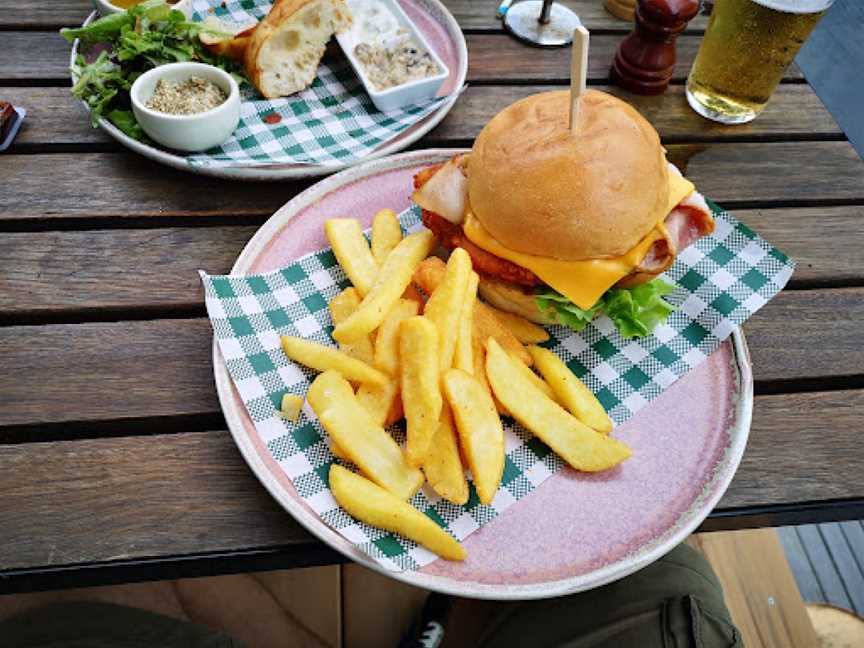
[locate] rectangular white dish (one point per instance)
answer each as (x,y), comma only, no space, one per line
(405,94)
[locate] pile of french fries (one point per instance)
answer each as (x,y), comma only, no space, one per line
(415,342)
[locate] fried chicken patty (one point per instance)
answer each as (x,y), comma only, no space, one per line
(452,236)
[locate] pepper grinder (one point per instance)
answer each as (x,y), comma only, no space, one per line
(646,57)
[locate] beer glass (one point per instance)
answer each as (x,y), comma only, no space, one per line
(746,49)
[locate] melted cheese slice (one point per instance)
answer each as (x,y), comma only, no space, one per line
(582,282)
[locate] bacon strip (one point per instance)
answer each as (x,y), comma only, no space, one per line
(691,219)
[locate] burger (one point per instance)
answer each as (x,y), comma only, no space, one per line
(562,224)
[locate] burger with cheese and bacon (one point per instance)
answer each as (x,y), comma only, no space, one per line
(565,224)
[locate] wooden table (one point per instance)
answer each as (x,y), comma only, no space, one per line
(115,464)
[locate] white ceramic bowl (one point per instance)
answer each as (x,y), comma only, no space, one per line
(408,93)
(197,132)
(104,7)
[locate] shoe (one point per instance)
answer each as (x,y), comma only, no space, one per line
(429,632)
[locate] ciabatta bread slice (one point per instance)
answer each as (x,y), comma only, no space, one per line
(283,54)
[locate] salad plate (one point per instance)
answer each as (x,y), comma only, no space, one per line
(438,28)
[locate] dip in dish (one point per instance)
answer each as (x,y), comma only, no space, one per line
(189,97)
(390,55)
(392,66)
(181,89)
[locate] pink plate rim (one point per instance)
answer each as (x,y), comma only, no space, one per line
(645,555)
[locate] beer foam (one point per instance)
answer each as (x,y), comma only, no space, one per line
(795,6)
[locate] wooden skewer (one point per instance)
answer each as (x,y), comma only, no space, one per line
(578,72)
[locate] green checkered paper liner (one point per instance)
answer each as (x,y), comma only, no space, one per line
(330,123)
(720,281)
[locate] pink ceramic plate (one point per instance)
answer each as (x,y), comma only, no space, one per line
(576,531)
(441,31)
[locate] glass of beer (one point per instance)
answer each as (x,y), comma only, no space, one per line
(747,47)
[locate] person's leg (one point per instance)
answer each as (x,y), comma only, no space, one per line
(676,602)
(202,612)
(90,624)
(159,597)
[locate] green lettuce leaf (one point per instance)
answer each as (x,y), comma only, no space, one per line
(103,30)
(567,313)
(98,83)
(126,122)
(634,311)
(148,35)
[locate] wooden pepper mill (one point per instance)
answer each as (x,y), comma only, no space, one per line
(646,57)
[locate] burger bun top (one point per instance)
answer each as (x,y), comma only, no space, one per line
(594,192)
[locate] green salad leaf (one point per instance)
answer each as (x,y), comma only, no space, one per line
(634,311)
(148,35)
(126,122)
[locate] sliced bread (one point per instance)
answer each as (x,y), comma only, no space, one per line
(283,54)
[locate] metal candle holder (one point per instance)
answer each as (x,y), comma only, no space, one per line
(542,22)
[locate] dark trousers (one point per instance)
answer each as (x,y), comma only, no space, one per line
(675,603)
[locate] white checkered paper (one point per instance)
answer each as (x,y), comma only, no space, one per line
(720,281)
(330,123)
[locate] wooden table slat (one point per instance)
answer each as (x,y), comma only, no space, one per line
(125,185)
(493,58)
(56,118)
(158,267)
(200,496)
(63,372)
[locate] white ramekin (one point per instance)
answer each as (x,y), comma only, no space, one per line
(197,132)
(408,93)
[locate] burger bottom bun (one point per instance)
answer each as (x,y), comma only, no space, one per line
(511,298)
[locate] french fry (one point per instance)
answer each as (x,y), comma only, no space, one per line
(387,340)
(413,294)
(373,505)
(444,306)
(442,465)
(464,358)
(386,234)
(524,331)
(341,307)
(320,357)
(431,272)
(393,279)
(580,446)
(570,391)
(396,412)
(479,353)
(352,252)
(486,325)
(343,304)
(480,432)
(378,401)
(536,380)
(291,406)
(421,393)
(366,444)
(338,452)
